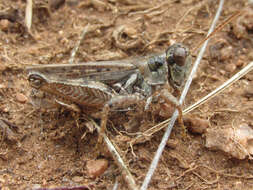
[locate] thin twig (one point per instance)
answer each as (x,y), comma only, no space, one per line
(73,52)
(229,19)
(174,117)
(125,172)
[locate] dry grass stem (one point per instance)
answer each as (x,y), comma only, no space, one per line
(28,14)
(119,161)
(73,53)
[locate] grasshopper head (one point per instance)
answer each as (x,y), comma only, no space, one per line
(178,59)
(36,80)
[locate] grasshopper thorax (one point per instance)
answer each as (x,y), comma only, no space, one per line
(155,63)
(178,59)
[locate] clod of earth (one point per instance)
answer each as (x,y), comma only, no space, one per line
(196,125)
(234,140)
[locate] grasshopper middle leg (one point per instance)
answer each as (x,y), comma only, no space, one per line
(115,103)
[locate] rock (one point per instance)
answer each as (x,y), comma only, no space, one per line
(3,67)
(243,24)
(226,53)
(249,76)
(77,179)
(230,67)
(240,63)
(96,4)
(56,4)
(250,55)
(36,186)
(4,24)
(172,143)
(222,72)
(248,92)
(5,109)
(196,125)
(96,167)
(2,86)
(21,98)
(237,141)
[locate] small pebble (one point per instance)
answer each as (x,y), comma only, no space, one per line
(4,24)
(250,55)
(56,4)
(230,67)
(2,86)
(172,143)
(130,31)
(6,109)
(226,53)
(239,63)
(21,98)
(60,32)
(2,66)
(222,72)
(196,125)
(77,179)
(19,120)
(96,167)
(248,92)
(36,186)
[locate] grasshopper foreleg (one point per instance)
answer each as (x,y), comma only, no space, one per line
(172,100)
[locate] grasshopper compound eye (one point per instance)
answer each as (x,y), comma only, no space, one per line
(35,80)
(177,54)
(179,61)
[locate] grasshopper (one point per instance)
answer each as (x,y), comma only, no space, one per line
(110,85)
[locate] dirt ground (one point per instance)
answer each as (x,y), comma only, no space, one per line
(43,147)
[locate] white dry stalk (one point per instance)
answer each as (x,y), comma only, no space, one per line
(116,156)
(115,187)
(167,133)
(28,14)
